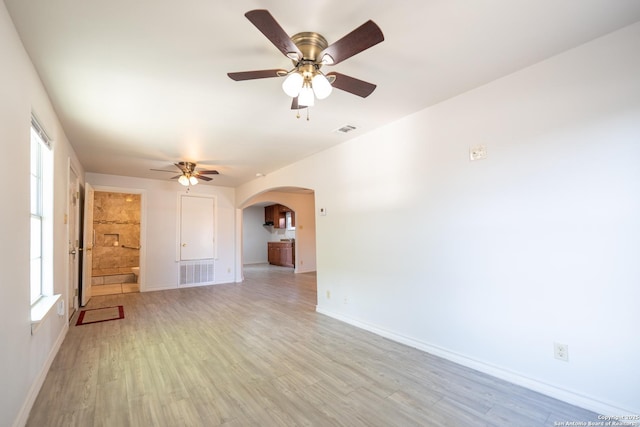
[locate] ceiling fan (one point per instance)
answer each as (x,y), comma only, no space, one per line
(190,175)
(309,52)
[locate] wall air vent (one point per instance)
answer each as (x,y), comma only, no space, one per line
(345,129)
(196,272)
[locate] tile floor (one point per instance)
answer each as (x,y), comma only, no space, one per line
(115,288)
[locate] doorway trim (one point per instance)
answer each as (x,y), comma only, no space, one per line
(72,219)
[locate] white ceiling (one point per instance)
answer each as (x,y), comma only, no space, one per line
(141,84)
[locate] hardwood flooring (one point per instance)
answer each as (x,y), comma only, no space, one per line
(257,354)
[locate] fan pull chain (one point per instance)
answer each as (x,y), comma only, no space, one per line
(298,113)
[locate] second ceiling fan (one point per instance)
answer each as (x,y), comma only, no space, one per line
(309,52)
(190,175)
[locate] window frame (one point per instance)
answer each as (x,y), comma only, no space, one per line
(41,210)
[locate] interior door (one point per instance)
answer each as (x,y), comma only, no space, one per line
(196,228)
(73,232)
(88,241)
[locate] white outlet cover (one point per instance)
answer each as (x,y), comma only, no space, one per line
(323,212)
(561,351)
(61,307)
(478,152)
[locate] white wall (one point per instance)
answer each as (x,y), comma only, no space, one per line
(254,236)
(489,263)
(25,359)
(158,265)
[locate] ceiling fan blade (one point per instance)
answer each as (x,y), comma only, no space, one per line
(204,178)
(362,38)
(162,170)
(210,172)
(176,177)
(352,85)
(295,106)
(259,74)
(267,24)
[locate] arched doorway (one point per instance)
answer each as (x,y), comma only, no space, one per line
(301,204)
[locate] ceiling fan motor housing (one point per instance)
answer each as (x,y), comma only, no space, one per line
(310,44)
(187,167)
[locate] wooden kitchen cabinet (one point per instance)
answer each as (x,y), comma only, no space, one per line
(270,214)
(276,215)
(281,253)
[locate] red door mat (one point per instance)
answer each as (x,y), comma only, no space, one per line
(103,314)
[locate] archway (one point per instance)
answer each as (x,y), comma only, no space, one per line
(299,200)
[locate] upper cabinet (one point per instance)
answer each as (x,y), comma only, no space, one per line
(269,215)
(279,216)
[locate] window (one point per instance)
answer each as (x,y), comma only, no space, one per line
(290,221)
(41,208)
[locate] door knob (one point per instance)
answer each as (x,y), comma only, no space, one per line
(184,245)
(72,252)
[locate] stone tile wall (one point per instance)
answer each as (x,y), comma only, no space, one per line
(116,221)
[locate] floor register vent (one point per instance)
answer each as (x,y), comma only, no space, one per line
(196,272)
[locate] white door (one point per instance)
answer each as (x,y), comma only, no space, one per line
(88,241)
(73,209)
(196,228)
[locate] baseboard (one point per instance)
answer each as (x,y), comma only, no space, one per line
(157,288)
(23,415)
(568,396)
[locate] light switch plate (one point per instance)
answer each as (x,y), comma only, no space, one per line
(61,307)
(478,152)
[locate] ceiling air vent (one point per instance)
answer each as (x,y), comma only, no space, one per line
(345,129)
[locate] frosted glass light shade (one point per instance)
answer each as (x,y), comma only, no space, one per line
(193,180)
(306,98)
(292,84)
(321,86)
(183,180)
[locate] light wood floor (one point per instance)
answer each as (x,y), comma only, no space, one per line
(257,354)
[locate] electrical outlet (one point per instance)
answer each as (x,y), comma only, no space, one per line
(561,351)
(323,211)
(328,294)
(346,301)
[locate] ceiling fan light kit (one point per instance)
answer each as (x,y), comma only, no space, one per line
(305,99)
(187,180)
(309,51)
(293,84)
(321,86)
(190,176)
